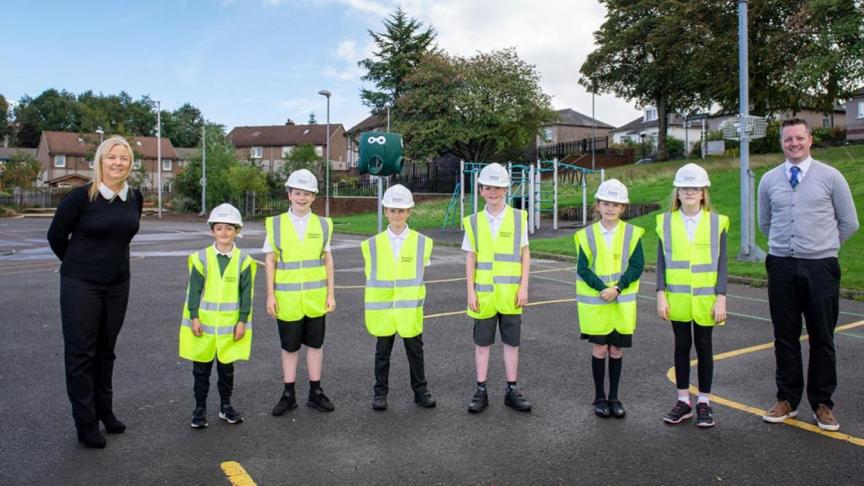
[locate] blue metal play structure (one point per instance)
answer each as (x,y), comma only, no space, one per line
(528,190)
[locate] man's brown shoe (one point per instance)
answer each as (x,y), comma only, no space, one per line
(825,418)
(781,411)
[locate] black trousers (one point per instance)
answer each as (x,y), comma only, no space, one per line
(92,316)
(810,288)
(225,384)
(414,350)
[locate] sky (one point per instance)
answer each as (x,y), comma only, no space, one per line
(260,62)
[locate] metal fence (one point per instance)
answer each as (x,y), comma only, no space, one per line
(16,197)
(561,150)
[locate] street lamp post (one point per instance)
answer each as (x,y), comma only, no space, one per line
(159,157)
(642,136)
(327,94)
(101,134)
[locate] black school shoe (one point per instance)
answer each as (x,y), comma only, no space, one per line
(704,415)
(90,436)
(379,402)
(616,408)
(513,399)
(199,418)
(680,412)
(424,399)
(319,401)
(228,414)
(112,424)
(479,401)
(601,408)
(288,401)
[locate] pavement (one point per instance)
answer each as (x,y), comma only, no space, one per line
(560,441)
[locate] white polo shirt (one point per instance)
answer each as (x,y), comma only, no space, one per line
(690,223)
(396,242)
(494,224)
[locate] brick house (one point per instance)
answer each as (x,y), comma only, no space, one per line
(855,117)
(572,126)
(268,146)
(66,154)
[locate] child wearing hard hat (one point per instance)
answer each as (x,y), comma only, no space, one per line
(496,270)
(609,264)
(300,287)
(217,314)
(394,263)
(691,285)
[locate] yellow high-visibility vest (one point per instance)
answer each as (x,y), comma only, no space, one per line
(691,267)
(596,316)
(219,310)
(498,271)
(301,279)
(394,295)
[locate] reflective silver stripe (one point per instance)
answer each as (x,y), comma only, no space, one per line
(594,300)
(420,269)
(474,230)
(484,288)
(219,306)
(373,257)
(398,304)
(277,234)
(317,262)
(325,230)
(387,284)
(703,291)
(667,246)
(625,253)
(592,245)
(218,331)
(202,255)
(517,233)
(715,246)
(295,287)
(484,266)
(506,280)
(626,298)
(702,268)
(506,257)
(678,289)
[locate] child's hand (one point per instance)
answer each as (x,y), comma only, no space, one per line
(331,303)
(239,331)
(521,296)
(196,327)
(609,294)
(472,301)
(272,308)
(662,306)
(719,310)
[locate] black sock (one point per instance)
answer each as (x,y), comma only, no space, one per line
(289,388)
(614,376)
(511,385)
(481,385)
(314,385)
(598,369)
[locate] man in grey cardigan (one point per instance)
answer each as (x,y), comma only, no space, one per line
(807,212)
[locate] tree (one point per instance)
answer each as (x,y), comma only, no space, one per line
(21,170)
(221,157)
(183,126)
(5,125)
(303,157)
(51,110)
(475,107)
(645,50)
(399,49)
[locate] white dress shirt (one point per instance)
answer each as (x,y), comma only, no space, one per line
(609,234)
(299,223)
(396,242)
(691,223)
(230,252)
(804,167)
(109,194)
(495,224)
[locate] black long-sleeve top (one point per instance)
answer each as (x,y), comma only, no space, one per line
(635,265)
(92,238)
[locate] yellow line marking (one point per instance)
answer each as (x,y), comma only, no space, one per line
(443,280)
(236,474)
(542,302)
(758,411)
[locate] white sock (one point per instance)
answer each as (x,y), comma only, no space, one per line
(704,398)
(684,396)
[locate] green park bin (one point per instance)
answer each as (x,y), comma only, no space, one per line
(380,153)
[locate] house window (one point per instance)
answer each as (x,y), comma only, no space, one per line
(547,134)
(650,114)
(826,122)
(319,150)
(861,109)
(256,152)
(166,164)
(59,161)
(286,151)
(136,164)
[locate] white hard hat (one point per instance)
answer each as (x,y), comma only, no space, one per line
(494,175)
(691,175)
(225,213)
(302,179)
(397,197)
(612,190)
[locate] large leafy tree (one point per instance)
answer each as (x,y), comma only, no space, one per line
(221,158)
(398,50)
(51,110)
(5,126)
(645,48)
(303,157)
(183,126)
(475,107)
(21,170)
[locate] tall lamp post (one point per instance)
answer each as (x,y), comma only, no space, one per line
(327,94)
(101,134)
(159,157)
(642,136)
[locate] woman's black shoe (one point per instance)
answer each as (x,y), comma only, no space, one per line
(91,437)
(112,424)
(601,408)
(616,408)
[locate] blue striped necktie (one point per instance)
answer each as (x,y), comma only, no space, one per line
(793,180)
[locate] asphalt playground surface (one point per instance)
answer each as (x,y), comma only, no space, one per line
(559,442)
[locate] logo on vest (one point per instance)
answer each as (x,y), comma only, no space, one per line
(505,234)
